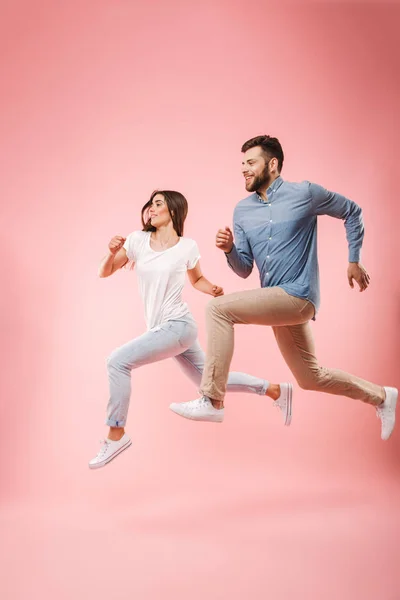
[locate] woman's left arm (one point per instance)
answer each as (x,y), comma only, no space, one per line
(202,284)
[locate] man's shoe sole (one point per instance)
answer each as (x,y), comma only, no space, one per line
(385,438)
(204,420)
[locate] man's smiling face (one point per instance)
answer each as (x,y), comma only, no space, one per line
(255,169)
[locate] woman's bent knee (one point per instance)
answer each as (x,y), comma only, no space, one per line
(114,360)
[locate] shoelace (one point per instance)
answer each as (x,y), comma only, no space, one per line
(383,414)
(199,403)
(103,448)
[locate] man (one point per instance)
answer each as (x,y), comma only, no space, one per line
(276,226)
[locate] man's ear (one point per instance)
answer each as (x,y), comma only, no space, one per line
(274,164)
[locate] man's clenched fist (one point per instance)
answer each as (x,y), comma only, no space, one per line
(116,244)
(224,239)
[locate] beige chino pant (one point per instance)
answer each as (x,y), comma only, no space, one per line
(289,318)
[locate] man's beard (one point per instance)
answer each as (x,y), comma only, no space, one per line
(260,181)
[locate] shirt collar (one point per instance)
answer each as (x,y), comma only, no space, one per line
(275,185)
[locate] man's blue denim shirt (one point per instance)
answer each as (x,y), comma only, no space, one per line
(280,235)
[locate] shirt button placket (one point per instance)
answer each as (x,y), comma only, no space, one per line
(270,219)
(269,237)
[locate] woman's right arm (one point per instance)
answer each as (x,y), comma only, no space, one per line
(115,259)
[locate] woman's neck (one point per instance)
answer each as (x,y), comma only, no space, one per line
(165,234)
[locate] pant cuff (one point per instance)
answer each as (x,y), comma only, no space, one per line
(213,395)
(114,423)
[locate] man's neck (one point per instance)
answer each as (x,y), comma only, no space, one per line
(262,191)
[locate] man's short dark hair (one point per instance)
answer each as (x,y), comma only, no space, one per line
(270,146)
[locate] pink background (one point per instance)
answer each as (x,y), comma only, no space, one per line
(101,102)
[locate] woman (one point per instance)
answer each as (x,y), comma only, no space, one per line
(162,257)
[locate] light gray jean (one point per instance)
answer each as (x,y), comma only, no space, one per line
(172,339)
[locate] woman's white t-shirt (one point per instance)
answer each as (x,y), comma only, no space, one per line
(161,275)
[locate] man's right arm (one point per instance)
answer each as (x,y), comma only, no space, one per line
(238,253)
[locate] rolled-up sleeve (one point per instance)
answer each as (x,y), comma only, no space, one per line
(240,258)
(335,205)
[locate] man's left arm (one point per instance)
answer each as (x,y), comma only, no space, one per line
(335,205)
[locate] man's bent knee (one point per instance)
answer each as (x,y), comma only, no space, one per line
(308,384)
(213,307)
(313,381)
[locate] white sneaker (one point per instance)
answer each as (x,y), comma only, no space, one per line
(387,412)
(284,402)
(200,409)
(109,450)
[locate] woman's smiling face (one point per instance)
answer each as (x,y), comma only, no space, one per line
(159,212)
